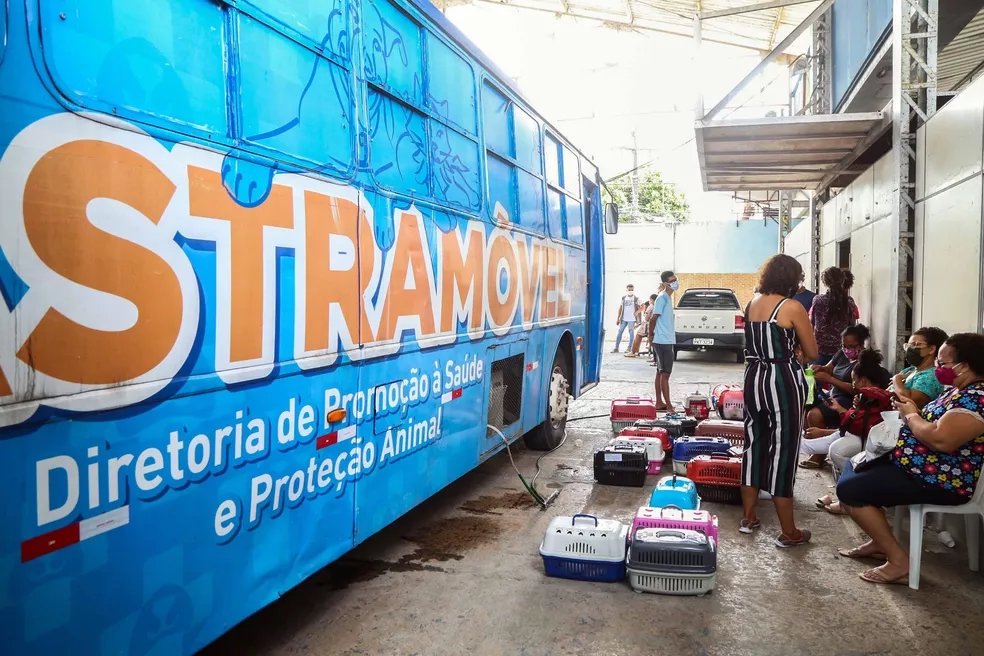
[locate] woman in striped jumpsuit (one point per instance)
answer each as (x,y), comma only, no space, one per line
(775,393)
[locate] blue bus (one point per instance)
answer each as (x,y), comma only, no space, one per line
(272,271)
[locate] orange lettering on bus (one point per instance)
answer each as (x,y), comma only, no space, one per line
(56,195)
(208,198)
(501,312)
(530,265)
(409,253)
(330,283)
(4,386)
(461,272)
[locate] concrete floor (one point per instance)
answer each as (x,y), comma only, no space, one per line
(461,574)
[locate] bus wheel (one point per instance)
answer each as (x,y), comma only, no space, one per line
(548,435)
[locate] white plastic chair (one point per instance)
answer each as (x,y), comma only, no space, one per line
(970,510)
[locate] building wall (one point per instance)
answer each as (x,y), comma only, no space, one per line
(949,228)
(861,214)
(947,274)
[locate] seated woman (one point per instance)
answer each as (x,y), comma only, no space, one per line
(818,441)
(937,460)
(917,381)
(837,375)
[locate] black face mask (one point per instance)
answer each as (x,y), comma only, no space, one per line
(913,356)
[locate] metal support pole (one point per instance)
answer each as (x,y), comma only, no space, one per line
(821,94)
(815,236)
(914,49)
(821,9)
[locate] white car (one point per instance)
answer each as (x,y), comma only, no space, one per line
(710,319)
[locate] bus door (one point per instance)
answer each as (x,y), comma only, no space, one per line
(595,250)
(508,372)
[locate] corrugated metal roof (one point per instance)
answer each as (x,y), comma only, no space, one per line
(760,30)
(962,60)
(797,152)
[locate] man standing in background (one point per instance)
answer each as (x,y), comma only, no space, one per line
(663,338)
(804,295)
(628,308)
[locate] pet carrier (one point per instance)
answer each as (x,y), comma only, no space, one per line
(584,548)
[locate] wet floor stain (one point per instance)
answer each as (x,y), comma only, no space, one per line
(448,538)
(347,571)
(561,465)
(441,541)
(493,505)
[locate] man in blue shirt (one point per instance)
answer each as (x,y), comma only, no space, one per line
(804,295)
(662,335)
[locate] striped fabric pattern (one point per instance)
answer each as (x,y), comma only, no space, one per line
(775,394)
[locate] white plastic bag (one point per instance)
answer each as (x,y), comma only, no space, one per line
(882,438)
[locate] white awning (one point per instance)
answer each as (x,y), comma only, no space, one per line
(798,152)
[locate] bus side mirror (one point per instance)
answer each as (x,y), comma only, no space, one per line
(611,218)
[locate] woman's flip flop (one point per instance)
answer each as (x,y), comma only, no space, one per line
(875,575)
(856,554)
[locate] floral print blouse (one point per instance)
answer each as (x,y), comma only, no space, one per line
(955,472)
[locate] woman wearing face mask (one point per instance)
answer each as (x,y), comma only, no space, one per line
(918,380)
(836,376)
(832,312)
(846,439)
(937,459)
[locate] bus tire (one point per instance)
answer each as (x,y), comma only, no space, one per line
(550,433)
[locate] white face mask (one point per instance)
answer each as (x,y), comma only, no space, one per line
(675,285)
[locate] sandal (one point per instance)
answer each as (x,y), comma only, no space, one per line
(785,542)
(810,464)
(835,509)
(749,526)
(875,575)
(856,554)
(824,501)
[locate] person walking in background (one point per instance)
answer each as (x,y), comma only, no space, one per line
(628,308)
(775,393)
(664,338)
(641,330)
(831,313)
(804,295)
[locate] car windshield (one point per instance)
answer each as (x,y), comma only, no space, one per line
(709,300)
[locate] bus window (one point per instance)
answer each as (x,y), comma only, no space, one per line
(450,86)
(454,162)
(316,21)
(161,62)
(293,100)
(513,153)
(393,52)
(398,160)
(564,215)
(419,147)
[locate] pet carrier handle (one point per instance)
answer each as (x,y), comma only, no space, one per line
(574,518)
(670,533)
(719,456)
(668,507)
